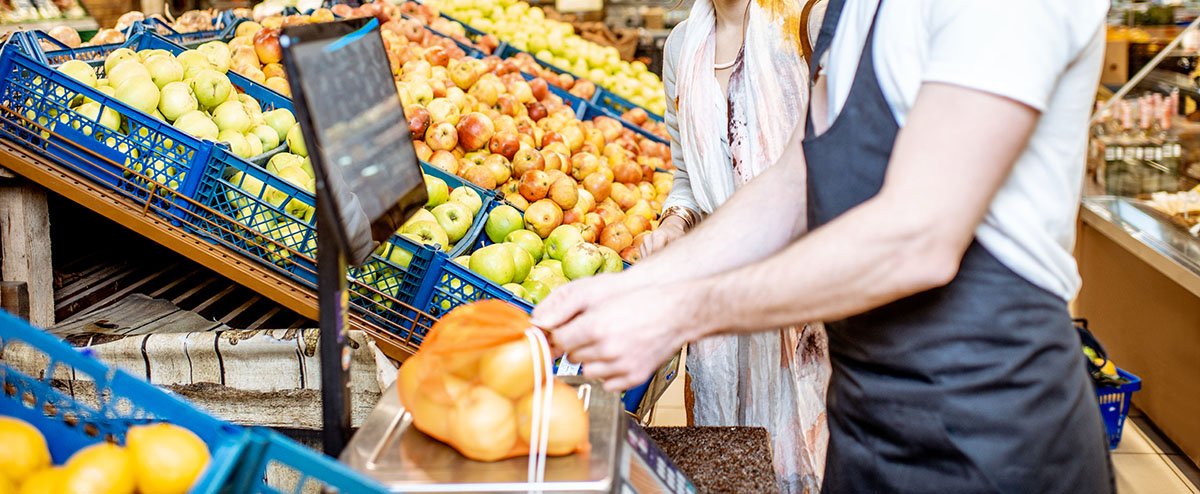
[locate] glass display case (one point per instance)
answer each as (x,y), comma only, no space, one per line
(1145,138)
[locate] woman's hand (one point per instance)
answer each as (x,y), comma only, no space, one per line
(671,228)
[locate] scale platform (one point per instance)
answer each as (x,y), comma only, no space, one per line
(622,458)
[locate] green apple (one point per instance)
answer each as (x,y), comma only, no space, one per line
(420,215)
(502,221)
(237,142)
(555,280)
(108,117)
(256,148)
(127,71)
(529,241)
(494,262)
(535,291)
(467,197)
(522,261)
(561,239)
(217,53)
(281,120)
(397,255)
(139,93)
(427,232)
(464,261)
(177,99)
(198,124)
(193,62)
(164,69)
(281,161)
(80,71)
(438,192)
(454,219)
(516,289)
(117,56)
(211,87)
(582,261)
(612,260)
(104,88)
(231,115)
(295,141)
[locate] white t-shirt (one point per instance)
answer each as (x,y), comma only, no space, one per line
(1043,53)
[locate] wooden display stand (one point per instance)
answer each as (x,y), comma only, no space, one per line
(25,251)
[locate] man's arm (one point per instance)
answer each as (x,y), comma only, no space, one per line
(954,154)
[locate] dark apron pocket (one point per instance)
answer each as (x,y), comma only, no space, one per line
(914,452)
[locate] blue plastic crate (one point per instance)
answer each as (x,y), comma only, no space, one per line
(102,404)
(308,470)
(1115,402)
(38,99)
(617,105)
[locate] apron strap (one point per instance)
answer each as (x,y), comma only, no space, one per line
(828,28)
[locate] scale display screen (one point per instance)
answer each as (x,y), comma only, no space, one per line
(354,128)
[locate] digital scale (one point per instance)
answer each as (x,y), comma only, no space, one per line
(621,460)
(368,182)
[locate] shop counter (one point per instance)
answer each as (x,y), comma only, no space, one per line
(1141,295)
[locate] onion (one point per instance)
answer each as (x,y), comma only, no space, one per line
(568,420)
(483,426)
(508,369)
(67,35)
(128,19)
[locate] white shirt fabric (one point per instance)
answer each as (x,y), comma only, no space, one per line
(1043,53)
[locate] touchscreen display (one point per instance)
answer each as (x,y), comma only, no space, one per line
(351,110)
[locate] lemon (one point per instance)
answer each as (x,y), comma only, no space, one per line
(47,480)
(168,458)
(99,469)
(22,449)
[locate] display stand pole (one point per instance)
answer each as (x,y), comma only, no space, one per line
(335,352)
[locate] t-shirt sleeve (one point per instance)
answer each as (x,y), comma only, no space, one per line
(1017,49)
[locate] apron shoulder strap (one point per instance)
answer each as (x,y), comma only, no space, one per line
(828,28)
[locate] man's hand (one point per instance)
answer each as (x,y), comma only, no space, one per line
(620,331)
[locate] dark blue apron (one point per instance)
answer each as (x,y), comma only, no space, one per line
(978,386)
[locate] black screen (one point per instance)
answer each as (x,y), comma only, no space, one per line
(354,125)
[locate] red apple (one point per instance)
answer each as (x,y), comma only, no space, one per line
(554,160)
(551,137)
(534,185)
(598,185)
(423,151)
(627,172)
(584,164)
(539,87)
(266,46)
(445,161)
(441,136)
(584,89)
(536,110)
(595,223)
(481,176)
(542,217)
(572,137)
(636,224)
(499,166)
(636,116)
(527,158)
(418,120)
(564,192)
(632,254)
(616,237)
(508,105)
(474,131)
(437,56)
(505,144)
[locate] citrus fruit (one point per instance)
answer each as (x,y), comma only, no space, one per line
(99,469)
(167,458)
(22,449)
(46,480)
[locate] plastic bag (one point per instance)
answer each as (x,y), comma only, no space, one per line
(482,383)
(772,379)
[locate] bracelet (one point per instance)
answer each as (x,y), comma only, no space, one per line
(690,218)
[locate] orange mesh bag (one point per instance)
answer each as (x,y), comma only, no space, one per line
(482,383)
